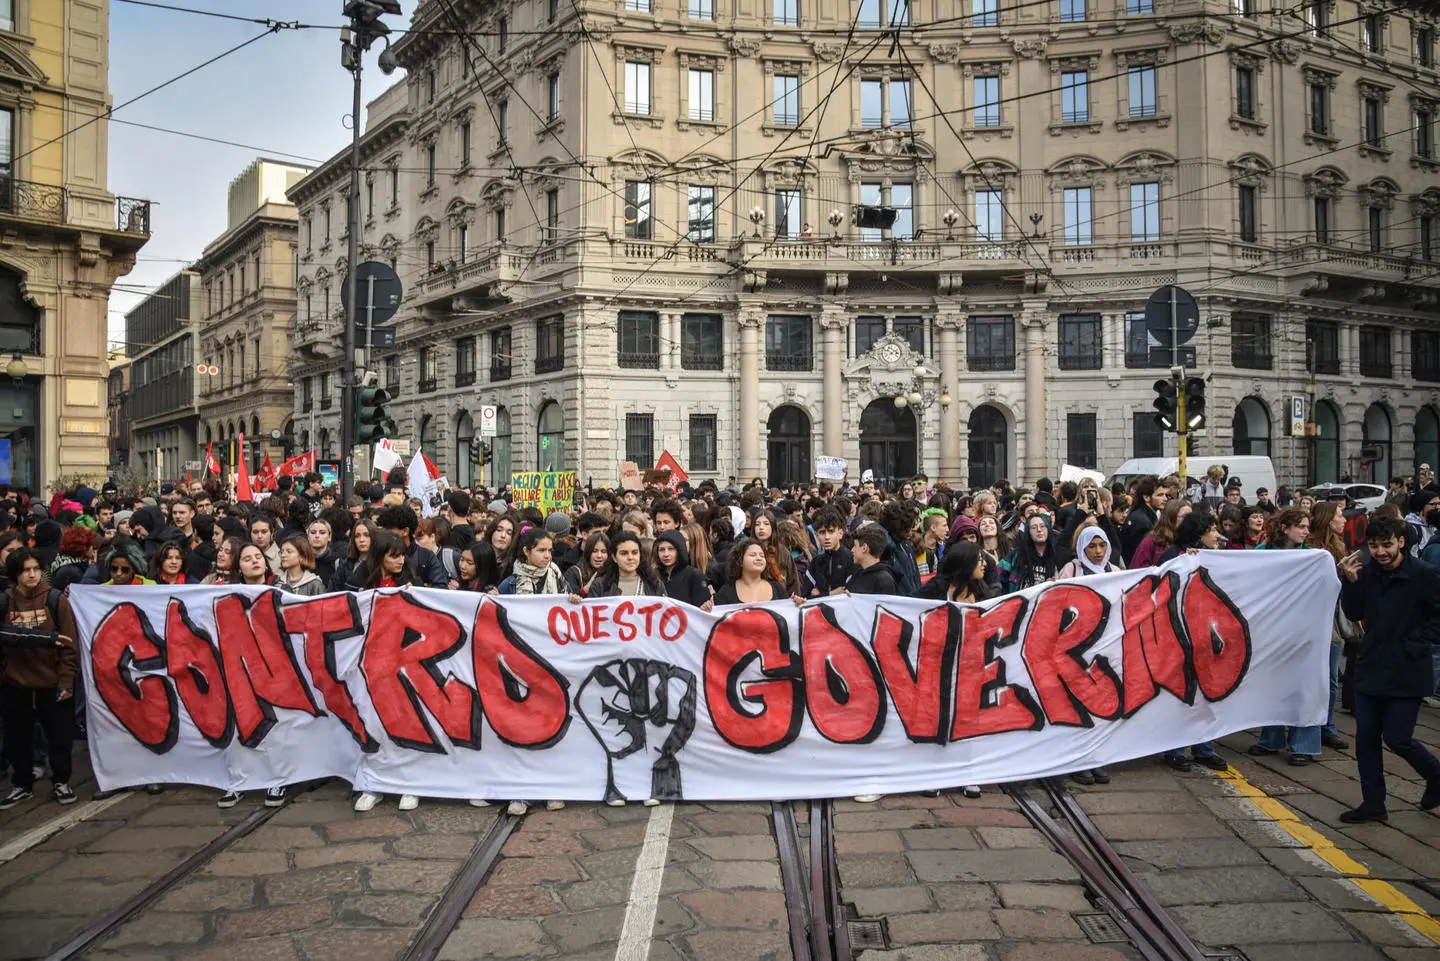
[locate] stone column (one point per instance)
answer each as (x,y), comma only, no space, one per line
(832,329)
(1034,317)
(948,325)
(669,340)
(751,320)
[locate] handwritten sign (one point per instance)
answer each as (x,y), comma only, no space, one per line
(830,468)
(547,490)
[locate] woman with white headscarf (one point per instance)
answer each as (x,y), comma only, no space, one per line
(1092,556)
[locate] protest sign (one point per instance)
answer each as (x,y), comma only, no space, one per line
(456,694)
(546,490)
(830,468)
(630,476)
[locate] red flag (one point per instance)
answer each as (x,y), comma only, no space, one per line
(430,467)
(668,462)
(188,481)
(212,466)
(297,466)
(267,478)
(242,485)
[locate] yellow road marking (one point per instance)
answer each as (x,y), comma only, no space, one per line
(1352,870)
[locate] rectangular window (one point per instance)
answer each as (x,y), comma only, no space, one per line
(1427,238)
(700,214)
(1320,109)
(1072,11)
(1144,212)
(788,343)
(1322,220)
(702,95)
(552,10)
(902,199)
(704,441)
(1080,342)
(1075,97)
(637,210)
(1137,341)
(326,211)
(308,395)
(465,362)
(701,9)
(500,354)
(1376,359)
(1375,227)
(637,87)
(872,106)
(1372,32)
(990,214)
(1322,347)
(991,343)
(326,400)
(552,215)
(702,342)
(912,330)
(395,186)
(1425,355)
(7,15)
(642,6)
(1137,7)
(1080,446)
(369,199)
(1245,93)
(462,240)
(430,165)
(502,35)
(429,367)
(1079,218)
(867,331)
(1149,437)
(430,87)
(639,340)
(785,13)
(640,433)
(500,225)
(392,372)
(1374,121)
(429,256)
(987,102)
(900,103)
(1424,46)
(1249,214)
(1250,341)
(871,13)
(550,344)
(502,121)
(552,97)
(787,100)
(1317,17)
(1425,133)
(789,213)
(1142,91)
(985,13)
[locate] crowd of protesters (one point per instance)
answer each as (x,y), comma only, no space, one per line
(717,544)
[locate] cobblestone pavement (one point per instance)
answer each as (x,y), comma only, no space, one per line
(953,879)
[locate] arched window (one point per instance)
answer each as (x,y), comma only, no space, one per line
(550,438)
(1251,428)
(19,319)
(1325,468)
(989,446)
(464,460)
(1427,437)
(498,474)
(324,442)
(1375,446)
(426,434)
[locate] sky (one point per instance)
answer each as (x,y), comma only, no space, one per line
(284,96)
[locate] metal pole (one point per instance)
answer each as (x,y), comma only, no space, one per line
(1177,373)
(347,374)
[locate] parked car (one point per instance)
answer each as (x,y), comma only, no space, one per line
(1368,496)
(1253,471)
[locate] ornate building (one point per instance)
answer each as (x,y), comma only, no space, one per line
(64,240)
(636,227)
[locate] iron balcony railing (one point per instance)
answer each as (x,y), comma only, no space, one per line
(36,201)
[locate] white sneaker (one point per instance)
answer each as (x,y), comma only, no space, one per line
(366,801)
(972,790)
(651,802)
(479,802)
(408,802)
(868,798)
(615,803)
(517,808)
(554,805)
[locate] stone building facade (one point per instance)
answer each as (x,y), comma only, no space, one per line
(64,240)
(633,226)
(163,405)
(247,282)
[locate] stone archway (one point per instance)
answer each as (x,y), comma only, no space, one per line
(889,442)
(788,451)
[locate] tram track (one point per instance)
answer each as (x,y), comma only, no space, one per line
(816,913)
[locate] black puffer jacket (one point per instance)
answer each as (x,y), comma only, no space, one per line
(1401,613)
(684,582)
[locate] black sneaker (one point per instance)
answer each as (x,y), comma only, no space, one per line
(153,789)
(1300,760)
(1178,762)
(63,793)
(106,795)
(15,796)
(1100,775)
(1431,798)
(1364,815)
(1083,777)
(1214,762)
(1255,750)
(1335,741)
(228,800)
(275,797)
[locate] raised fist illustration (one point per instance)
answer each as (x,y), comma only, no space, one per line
(642,712)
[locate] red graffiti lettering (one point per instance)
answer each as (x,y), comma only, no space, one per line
(761,715)
(922,692)
(193,665)
(260,668)
(1219,637)
(842,681)
(980,676)
(1154,654)
(673,623)
(623,627)
(1068,620)
(324,621)
(146,705)
(407,640)
(523,697)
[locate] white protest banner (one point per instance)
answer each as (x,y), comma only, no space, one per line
(454,694)
(1077,474)
(830,468)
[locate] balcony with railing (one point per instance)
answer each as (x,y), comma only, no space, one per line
(499,370)
(465,378)
(318,337)
(47,203)
(477,273)
(1355,261)
(844,255)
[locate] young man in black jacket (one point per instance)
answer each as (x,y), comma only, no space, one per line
(870,576)
(832,567)
(1398,599)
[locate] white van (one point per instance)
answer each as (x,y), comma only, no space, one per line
(1254,472)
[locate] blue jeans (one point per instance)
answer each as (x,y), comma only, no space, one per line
(1389,721)
(1197,751)
(1330,730)
(1300,740)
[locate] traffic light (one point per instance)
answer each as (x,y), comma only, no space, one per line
(1165,396)
(1194,403)
(372,423)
